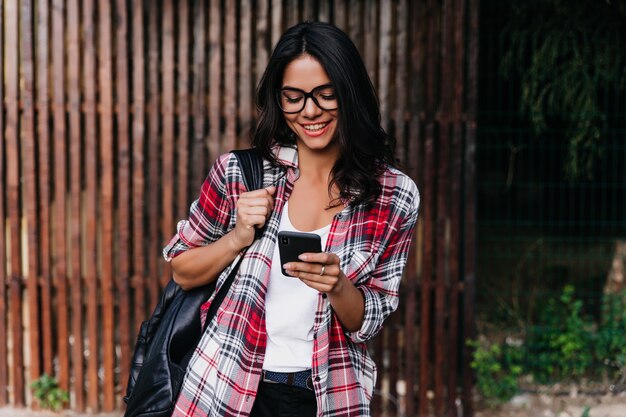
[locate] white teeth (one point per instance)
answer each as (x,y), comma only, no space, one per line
(315,127)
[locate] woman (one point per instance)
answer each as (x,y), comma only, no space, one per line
(295,345)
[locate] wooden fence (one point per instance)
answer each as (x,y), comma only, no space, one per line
(112,112)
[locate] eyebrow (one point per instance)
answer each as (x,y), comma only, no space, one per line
(299,89)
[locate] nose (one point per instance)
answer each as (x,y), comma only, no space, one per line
(311,109)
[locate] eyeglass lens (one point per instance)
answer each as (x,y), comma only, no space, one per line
(293,100)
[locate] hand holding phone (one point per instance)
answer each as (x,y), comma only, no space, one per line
(293,244)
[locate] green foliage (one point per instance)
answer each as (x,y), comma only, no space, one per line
(560,346)
(586,412)
(497,368)
(566,55)
(610,340)
(48,394)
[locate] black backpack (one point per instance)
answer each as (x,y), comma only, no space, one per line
(168,339)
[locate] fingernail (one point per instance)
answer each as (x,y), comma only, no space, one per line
(287,266)
(303,257)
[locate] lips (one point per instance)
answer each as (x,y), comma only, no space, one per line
(315,127)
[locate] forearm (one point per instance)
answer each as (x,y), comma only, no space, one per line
(348,303)
(202,265)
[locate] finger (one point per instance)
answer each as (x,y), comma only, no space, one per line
(312,268)
(261,192)
(254,210)
(326,258)
(254,221)
(258,201)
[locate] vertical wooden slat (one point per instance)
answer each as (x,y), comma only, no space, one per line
(60,191)
(394,328)
(308,10)
(75,137)
(400,82)
(122,240)
(443,256)
(469,211)
(138,182)
(384,62)
(276,21)
(167,117)
(262,36)
(43,143)
(182,138)
(456,202)
(442,238)
(105,75)
(426,284)
(370,47)
(215,81)
(152,212)
(30,185)
(293,12)
(340,15)
(91,203)
(323,14)
(355,23)
(245,73)
(4,366)
(455,242)
(12,135)
(230,77)
(413,374)
(198,102)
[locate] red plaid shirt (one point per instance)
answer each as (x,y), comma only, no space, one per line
(373,245)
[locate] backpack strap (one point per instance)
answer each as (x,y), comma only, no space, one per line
(251,165)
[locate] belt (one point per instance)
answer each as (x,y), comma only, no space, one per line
(300,379)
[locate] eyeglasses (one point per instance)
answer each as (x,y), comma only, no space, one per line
(292,100)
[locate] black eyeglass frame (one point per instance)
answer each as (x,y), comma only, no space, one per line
(306,96)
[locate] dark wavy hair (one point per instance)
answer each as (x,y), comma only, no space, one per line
(366,148)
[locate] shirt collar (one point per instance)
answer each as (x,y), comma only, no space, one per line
(286,155)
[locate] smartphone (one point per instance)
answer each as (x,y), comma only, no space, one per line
(293,244)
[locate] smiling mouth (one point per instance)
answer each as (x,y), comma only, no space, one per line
(315,127)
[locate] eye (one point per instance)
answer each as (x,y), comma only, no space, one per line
(291,97)
(327,96)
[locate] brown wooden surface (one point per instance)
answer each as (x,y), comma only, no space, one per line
(43,172)
(75,156)
(122,240)
(4,367)
(92,275)
(106,167)
(30,183)
(182,100)
(121,108)
(13,193)
(59,207)
(138,172)
(153,156)
(167,118)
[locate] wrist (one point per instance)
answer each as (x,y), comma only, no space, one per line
(235,243)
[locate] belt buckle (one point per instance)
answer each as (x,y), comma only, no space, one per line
(309,382)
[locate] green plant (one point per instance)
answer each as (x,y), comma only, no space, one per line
(610,340)
(565,56)
(560,346)
(497,368)
(48,394)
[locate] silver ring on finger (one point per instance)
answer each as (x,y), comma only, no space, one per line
(323,269)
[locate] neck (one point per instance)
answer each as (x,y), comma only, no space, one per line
(317,164)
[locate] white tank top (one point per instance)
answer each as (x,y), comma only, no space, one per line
(290,307)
